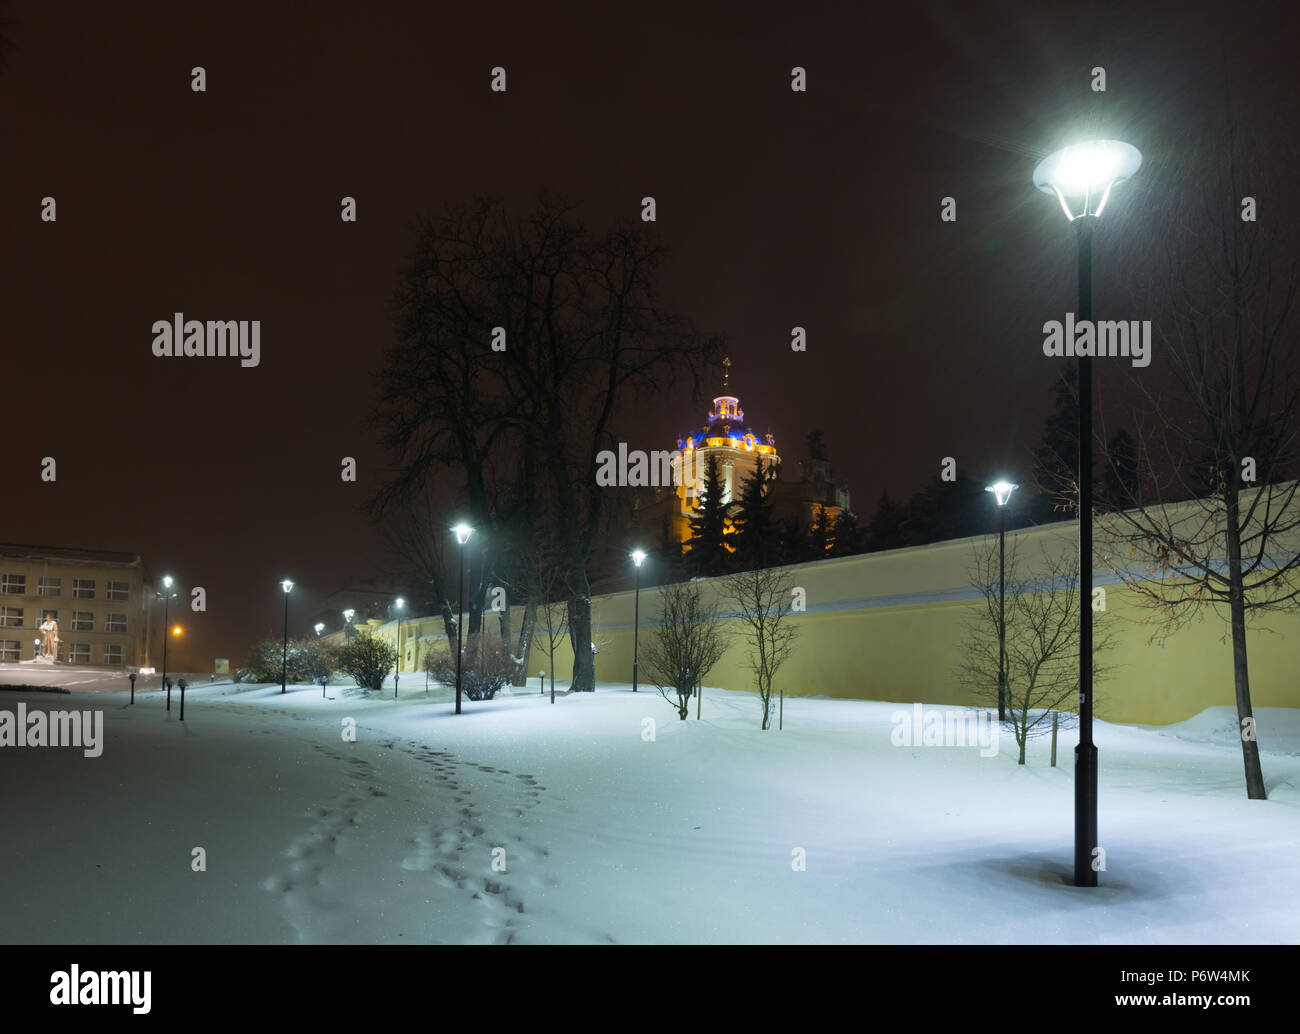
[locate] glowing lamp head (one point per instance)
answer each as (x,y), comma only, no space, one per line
(399,602)
(176,630)
(286,585)
(1002,491)
(638,555)
(1086,173)
(463,532)
(348,615)
(320,627)
(167,582)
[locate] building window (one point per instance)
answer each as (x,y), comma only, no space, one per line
(48,585)
(11,617)
(13,584)
(83,621)
(8,650)
(119,590)
(79,653)
(83,588)
(112,654)
(46,615)
(115,623)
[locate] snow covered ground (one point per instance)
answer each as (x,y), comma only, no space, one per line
(612,837)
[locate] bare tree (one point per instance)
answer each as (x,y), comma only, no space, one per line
(1041,641)
(763,598)
(1206,514)
(685,646)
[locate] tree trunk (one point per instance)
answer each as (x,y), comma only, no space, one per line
(525,644)
(584,664)
(1240,673)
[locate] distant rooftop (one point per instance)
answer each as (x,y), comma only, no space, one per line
(16,551)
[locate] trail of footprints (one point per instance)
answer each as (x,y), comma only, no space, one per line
(458,856)
(455,853)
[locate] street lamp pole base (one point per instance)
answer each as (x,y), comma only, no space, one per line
(1085,815)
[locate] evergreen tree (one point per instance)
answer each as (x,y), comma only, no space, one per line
(1056,466)
(1121,480)
(708,554)
(757,535)
(850,536)
(795,547)
(821,535)
(887,528)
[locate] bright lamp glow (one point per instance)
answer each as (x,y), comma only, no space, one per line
(1086,171)
(399,602)
(638,555)
(463,532)
(286,585)
(320,627)
(167,582)
(347,615)
(176,630)
(1001,491)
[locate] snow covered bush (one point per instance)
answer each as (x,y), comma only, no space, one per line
(303,661)
(486,666)
(368,660)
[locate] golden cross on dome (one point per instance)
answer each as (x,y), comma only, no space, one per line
(726,372)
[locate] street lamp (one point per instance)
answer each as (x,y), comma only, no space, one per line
(1082,177)
(320,627)
(399,603)
(1002,493)
(463,532)
(638,555)
(166,596)
(286,585)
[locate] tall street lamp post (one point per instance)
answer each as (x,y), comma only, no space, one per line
(286,585)
(1082,177)
(399,603)
(463,532)
(166,596)
(637,557)
(1002,493)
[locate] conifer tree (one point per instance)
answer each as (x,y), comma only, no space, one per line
(708,554)
(757,535)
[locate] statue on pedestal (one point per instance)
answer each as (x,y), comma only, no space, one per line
(49,640)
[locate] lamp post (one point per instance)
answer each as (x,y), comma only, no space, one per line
(463,532)
(1002,493)
(347,622)
(1082,177)
(286,585)
(399,603)
(166,596)
(638,556)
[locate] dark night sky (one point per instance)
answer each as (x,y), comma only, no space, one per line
(817,209)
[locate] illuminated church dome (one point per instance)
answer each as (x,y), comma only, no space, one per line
(726,427)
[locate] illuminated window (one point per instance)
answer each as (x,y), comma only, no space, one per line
(79,653)
(49,586)
(115,623)
(11,617)
(13,584)
(119,591)
(83,621)
(112,654)
(9,650)
(83,588)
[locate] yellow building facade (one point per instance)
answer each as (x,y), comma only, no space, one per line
(98,599)
(890,626)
